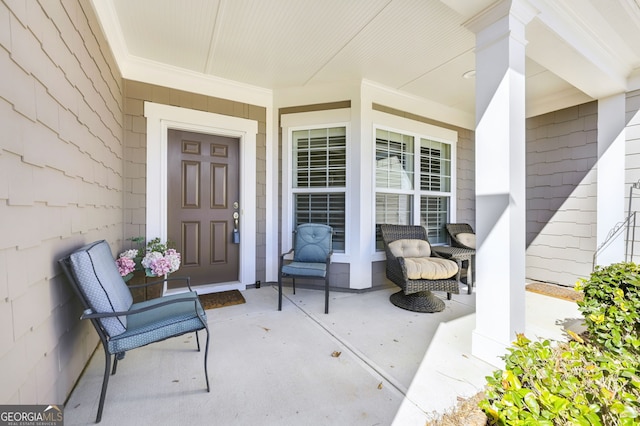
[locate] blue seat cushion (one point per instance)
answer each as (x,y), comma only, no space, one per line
(161,323)
(305,269)
(100,282)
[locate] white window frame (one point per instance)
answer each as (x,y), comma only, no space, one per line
(418,130)
(310,121)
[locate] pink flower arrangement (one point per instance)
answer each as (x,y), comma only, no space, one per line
(159,264)
(158,261)
(126,265)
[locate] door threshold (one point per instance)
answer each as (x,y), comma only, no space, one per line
(210,288)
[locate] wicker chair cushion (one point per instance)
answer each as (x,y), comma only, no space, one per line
(102,284)
(467,239)
(430,268)
(410,248)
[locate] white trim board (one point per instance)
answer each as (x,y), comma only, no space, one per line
(161,118)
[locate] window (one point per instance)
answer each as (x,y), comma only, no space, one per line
(435,166)
(320,179)
(398,187)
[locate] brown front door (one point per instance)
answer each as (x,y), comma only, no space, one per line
(203,192)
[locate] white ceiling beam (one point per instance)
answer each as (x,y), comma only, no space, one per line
(570,49)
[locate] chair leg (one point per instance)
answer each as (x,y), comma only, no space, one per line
(206,354)
(448,296)
(198,341)
(293,280)
(118,357)
(326,295)
(279,291)
(105,383)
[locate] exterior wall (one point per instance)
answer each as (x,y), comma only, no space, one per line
(561,194)
(61,181)
(466,209)
(135,138)
(632,167)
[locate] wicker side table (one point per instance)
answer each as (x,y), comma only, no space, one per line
(461,254)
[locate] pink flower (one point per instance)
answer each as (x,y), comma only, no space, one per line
(160,266)
(158,260)
(174,259)
(126,266)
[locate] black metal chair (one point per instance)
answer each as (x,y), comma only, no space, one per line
(417,270)
(312,250)
(121,324)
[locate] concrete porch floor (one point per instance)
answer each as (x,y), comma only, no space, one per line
(276,368)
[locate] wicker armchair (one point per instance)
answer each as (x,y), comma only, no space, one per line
(453,229)
(416,294)
(460,236)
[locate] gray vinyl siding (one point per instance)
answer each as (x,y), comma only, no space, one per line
(61,186)
(632,165)
(561,194)
(466,211)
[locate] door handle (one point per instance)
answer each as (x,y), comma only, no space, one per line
(235,236)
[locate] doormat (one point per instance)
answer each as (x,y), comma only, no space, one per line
(559,292)
(221,299)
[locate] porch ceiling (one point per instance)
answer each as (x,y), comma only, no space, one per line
(578,49)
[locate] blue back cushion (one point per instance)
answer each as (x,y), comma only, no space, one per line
(312,243)
(100,282)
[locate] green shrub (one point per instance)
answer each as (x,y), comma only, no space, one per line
(563,383)
(593,382)
(611,306)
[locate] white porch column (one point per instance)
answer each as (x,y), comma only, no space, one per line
(611,186)
(500,177)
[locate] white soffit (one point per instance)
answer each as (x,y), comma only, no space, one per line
(571,39)
(173,32)
(246,50)
(401,43)
(279,44)
(552,92)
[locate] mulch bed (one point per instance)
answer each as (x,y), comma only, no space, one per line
(557,291)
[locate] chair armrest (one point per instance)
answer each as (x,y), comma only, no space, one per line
(438,255)
(289,252)
(400,265)
(187,279)
(457,243)
(87,314)
(459,262)
(283,255)
(328,259)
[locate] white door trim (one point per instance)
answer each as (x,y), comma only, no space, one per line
(161,118)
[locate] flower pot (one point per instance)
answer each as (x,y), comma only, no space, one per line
(145,293)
